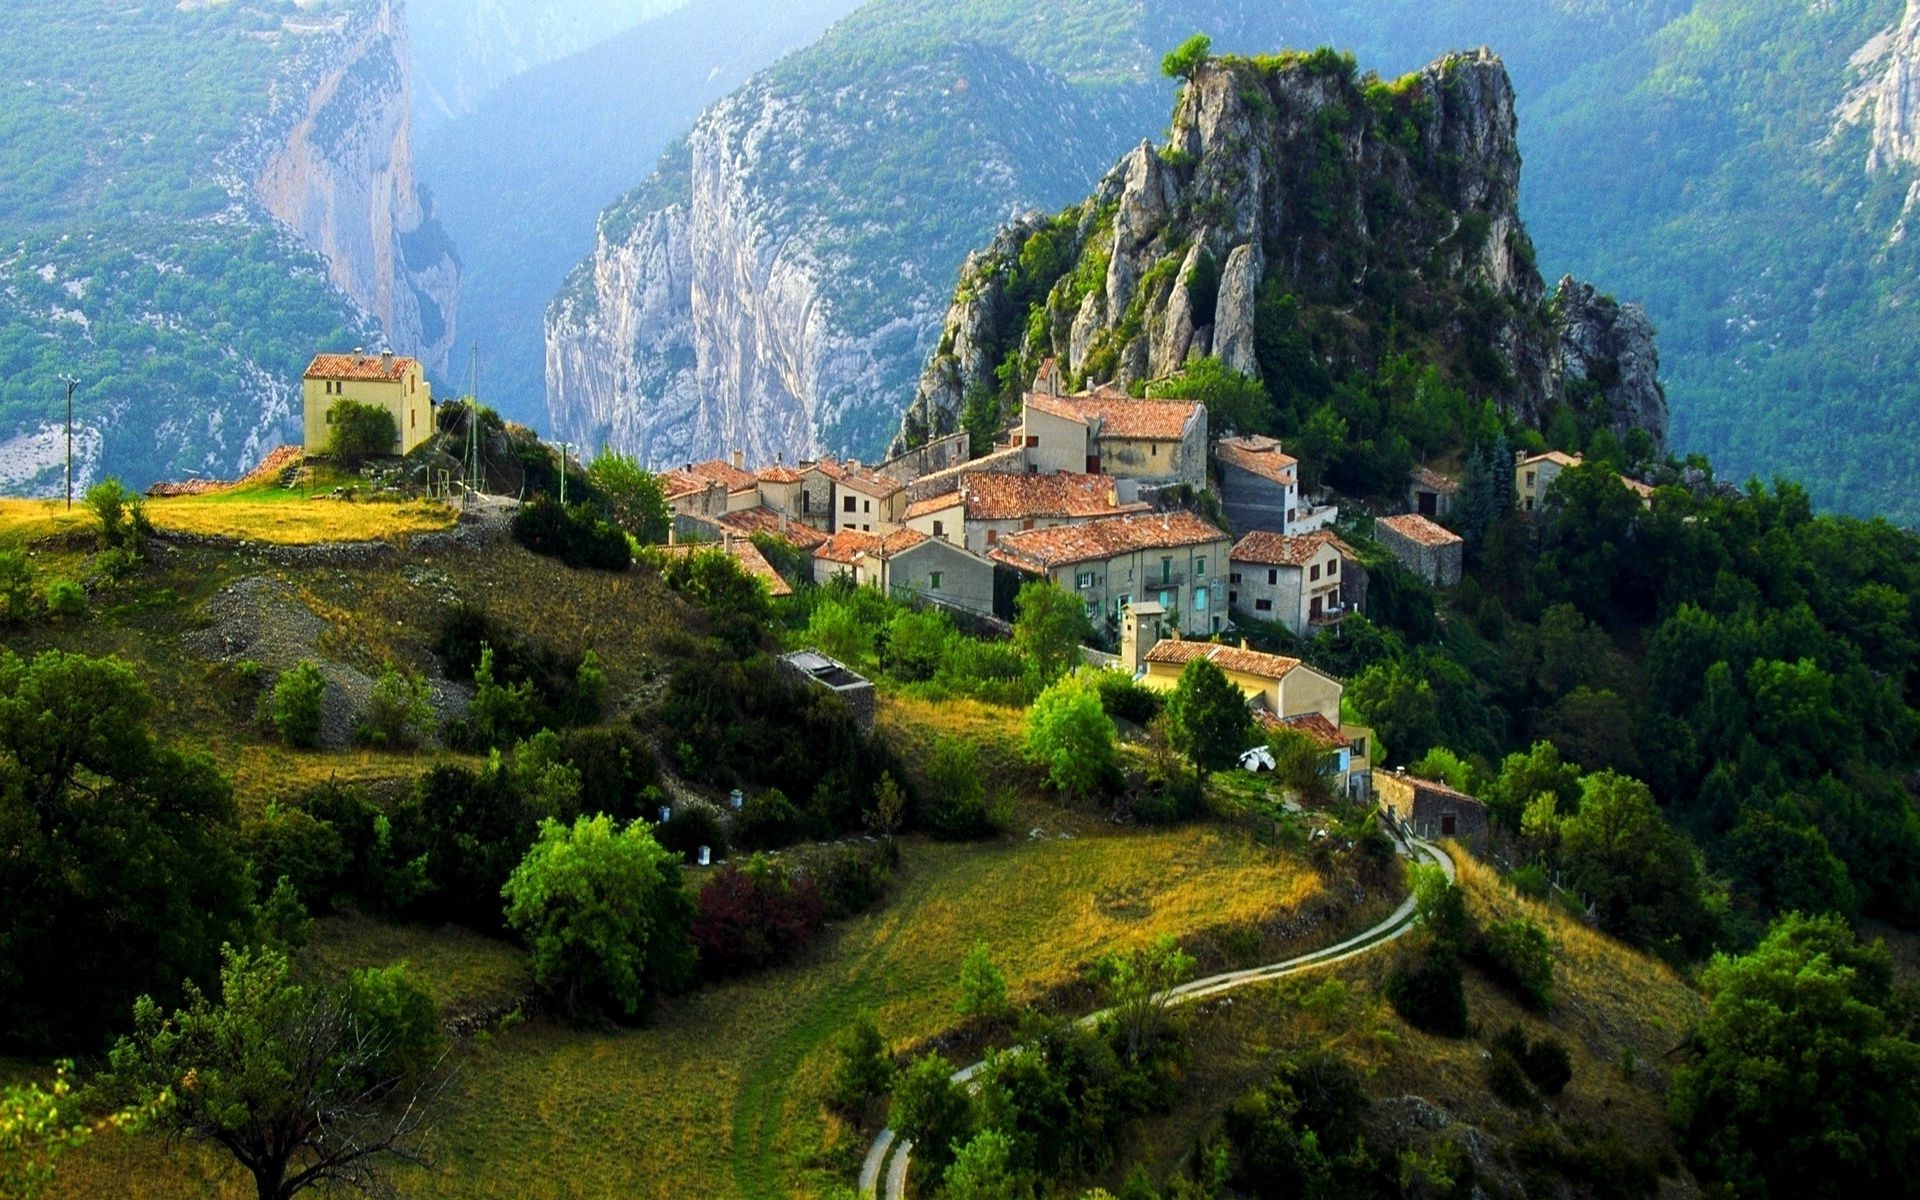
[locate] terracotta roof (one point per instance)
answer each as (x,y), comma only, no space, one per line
(1434,481)
(724,473)
(1553,456)
(1416,528)
(1259,456)
(761,519)
(859,478)
(1120,415)
(999,497)
(1278,550)
(779,474)
(377,368)
(743,552)
(1315,726)
(1643,490)
(675,484)
(894,543)
(1434,785)
(846,546)
(934,504)
(1041,550)
(1227,658)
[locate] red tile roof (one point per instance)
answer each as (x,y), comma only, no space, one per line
(725,474)
(1259,456)
(676,484)
(1416,528)
(743,552)
(933,504)
(1434,481)
(1041,550)
(1179,653)
(846,546)
(373,368)
(1313,724)
(778,474)
(871,483)
(1119,415)
(1278,550)
(894,543)
(761,519)
(998,497)
(1553,456)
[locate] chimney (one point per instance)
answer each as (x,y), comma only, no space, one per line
(1243,644)
(739,459)
(386,360)
(359,351)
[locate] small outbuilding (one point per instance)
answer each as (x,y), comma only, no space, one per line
(1432,810)
(835,676)
(1433,552)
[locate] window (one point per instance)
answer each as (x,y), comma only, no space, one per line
(413,419)
(1233,598)
(1333,568)
(1359,747)
(1027,524)
(1233,577)
(1263,606)
(1292,514)
(1166,570)
(939,529)
(1199,599)
(933,581)
(1273,577)
(1313,572)
(806,501)
(993,536)
(1200,568)
(1156,452)
(1530,475)
(1033,443)
(1083,580)
(846,505)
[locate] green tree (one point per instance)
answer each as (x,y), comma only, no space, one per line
(400,710)
(1208,718)
(1236,403)
(19,597)
(984,1170)
(1071,736)
(1049,627)
(39,1123)
(118,868)
(1642,878)
(930,1110)
(603,913)
(122,514)
(357,432)
(1400,706)
(956,803)
(286,1078)
(1527,776)
(1801,1084)
(983,985)
(865,1067)
(839,631)
(1187,58)
(635,500)
(1137,986)
(299,703)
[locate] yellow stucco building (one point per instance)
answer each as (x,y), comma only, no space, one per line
(398,385)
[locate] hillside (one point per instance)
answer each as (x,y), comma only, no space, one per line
(1305,227)
(785,272)
(521,203)
(191,199)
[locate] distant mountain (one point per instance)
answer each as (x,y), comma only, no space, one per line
(194,198)
(779,282)
(1751,171)
(520,180)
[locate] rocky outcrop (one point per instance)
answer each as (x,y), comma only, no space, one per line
(334,163)
(1364,204)
(1610,346)
(1896,99)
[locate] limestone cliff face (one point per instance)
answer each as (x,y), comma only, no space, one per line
(1363,205)
(334,163)
(1896,99)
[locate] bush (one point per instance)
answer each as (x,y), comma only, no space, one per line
(930,1110)
(400,711)
(575,535)
(1517,955)
(1125,700)
(66,599)
(855,878)
(356,432)
(865,1069)
(617,770)
(1519,1067)
(299,704)
(19,600)
(956,803)
(398,1013)
(122,514)
(291,844)
(768,821)
(752,917)
(983,986)
(691,827)
(1427,991)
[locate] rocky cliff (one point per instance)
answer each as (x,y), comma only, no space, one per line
(780,284)
(1371,216)
(334,163)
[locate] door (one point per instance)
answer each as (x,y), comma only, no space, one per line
(1448,822)
(1429,504)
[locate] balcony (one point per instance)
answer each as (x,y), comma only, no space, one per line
(1329,616)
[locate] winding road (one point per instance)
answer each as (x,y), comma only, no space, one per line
(893,1155)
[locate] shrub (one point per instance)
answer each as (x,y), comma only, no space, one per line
(1426,989)
(753,917)
(1071,737)
(299,704)
(359,431)
(865,1068)
(499,714)
(400,711)
(292,845)
(930,1110)
(1125,700)
(122,514)
(617,769)
(1519,1067)
(575,535)
(956,801)
(768,821)
(19,600)
(983,986)
(854,879)
(399,1015)
(1508,1081)
(66,599)
(1518,956)
(691,827)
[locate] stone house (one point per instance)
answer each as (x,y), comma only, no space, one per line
(1430,493)
(862,499)
(1158,442)
(397,386)
(840,554)
(987,507)
(1299,582)
(1432,552)
(908,565)
(1259,483)
(831,675)
(1534,474)
(693,497)
(1174,559)
(1433,810)
(698,485)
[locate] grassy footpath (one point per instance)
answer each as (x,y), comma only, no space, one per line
(721,1096)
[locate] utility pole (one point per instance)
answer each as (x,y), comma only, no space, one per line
(71,383)
(473,426)
(564,446)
